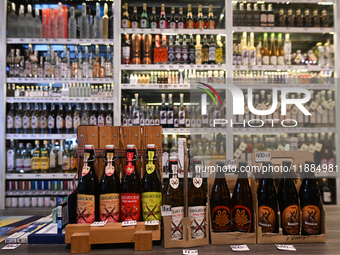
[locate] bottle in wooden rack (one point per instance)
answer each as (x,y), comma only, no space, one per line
(288,203)
(267,204)
(151,187)
(310,200)
(87,190)
(173,196)
(220,203)
(109,198)
(242,202)
(130,188)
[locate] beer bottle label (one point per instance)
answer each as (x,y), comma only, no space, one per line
(151,204)
(130,206)
(197,215)
(150,166)
(267,219)
(290,219)
(86,170)
(129,167)
(221,219)
(177,223)
(197,182)
(311,219)
(85,208)
(174,182)
(109,207)
(242,219)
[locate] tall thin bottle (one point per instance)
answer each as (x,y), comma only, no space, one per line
(84,23)
(198,50)
(72,25)
(60,23)
(97,25)
(105,23)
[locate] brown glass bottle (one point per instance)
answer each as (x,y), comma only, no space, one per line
(316,18)
(288,203)
(242,202)
(220,203)
(109,199)
(173,196)
(136,49)
(126,22)
(267,204)
(290,18)
(310,200)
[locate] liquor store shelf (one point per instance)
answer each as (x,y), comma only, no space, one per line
(59,100)
(300,30)
(297,1)
(172,31)
(42,176)
(282,67)
(60,80)
(172,67)
(57,41)
(157,86)
(284,130)
(279,85)
(41,136)
(193,130)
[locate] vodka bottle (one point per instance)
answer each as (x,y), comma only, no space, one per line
(44,28)
(29,23)
(12,23)
(37,25)
(52,25)
(60,26)
(97,27)
(72,25)
(21,25)
(84,24)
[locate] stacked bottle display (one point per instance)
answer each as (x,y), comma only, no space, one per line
(61,23)
(53,65)
(56,118)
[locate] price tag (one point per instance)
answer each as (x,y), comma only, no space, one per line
(313,105)
(311,148)
(99,223)
(129,223)
(166,210)
(262,156)
(318,146)
(304,147)
(285,247)
(242,247)
(280,147)
(195,252)
(230,163)
(152,223)
(237,153)
(11,246)
(243,146)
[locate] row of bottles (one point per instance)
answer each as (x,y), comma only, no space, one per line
(59,23)
(255,16)
(60,119)
(45,159)
(66,90)
(279,53)
(144,21)
(169,50)
(54,65)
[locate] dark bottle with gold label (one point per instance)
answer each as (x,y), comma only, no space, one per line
(282,18)
(242,202)
(220,203)
(310,200)
(290,18)
(299,18)
(324,19)
(316,18)
(267,203)
(288,203)
(308,18)
(151,186)
(205,50)
(126,22)
(109,198)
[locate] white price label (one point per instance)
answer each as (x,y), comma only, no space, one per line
(243,146)
(318,147)
(10,246)
(237,153)
(313,105)
(98,224)
(152,223)
(129,223)
(230,163)
(195,252)
(304,147)
(280,147)
(285,247)
(166,210)
(242,247)
(262,156)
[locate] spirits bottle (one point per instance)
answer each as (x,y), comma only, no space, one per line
(324,19)
(245,52)
(180,21)
(178,51)
(171,51)
(52,25)
(265,55)
(163,113)
(191,51)
(210,24)
(252,50)
(316,18)
(27,119)
(97,25)
(170,113)
(162,22)
(282,18)
(72,25)
(249,15)
(136,112)
(290,18)
(235,15)
(219,50)
(60,120)
(37,24)
(94,115)
(153,19)
(270,16)
(241,15)
(144,20)
(308,18)
(44,119)
(111,23)
(200,24)
(60,23)
(105,23)
(126,23)
(164,51)
(299,18)
(287,50)
(212,51)
(189,23)
(134,18)
(21,28)
(29,23)
(172,22)
(44,28)
(181,112)
(198,51)
(157,50)
(91,27)
(10,157)
(45,159)
(36,120)
(264,16)
(272,51)
(279,51)
(12,23)
(84,24)
(108,62)
(109,116)
(126,50)
(256,16)
(205,51)
(36,158)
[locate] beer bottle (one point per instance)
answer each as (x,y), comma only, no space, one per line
(310,200)
(197,206)
(131,187)
(242,202)
(267,204)
(109,198)
(87,189)
(288,203)
(173,196)
(151,187)
(220,203)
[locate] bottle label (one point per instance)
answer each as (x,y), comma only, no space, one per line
(198,123)
(273,60)
(130,206)
(200,24)
(185,54)
(181,115)
(170,117)
(163,24)
(9,122)
(43,122)
(271,18)
(129,167)
(173,25)
(219,55)
(156,122)
(143,23)
(60,122)
(76,122)
(177,222)
(163,117)
(50,122)
(174,182)
(153,25)
(245,59)
(109,170)
(212,54)
(36,163)
(86,170)
(18,122)
(178,54)
(171,54)
(19,163)
(311,219)
(126,54)
(197,215)
(205,55)
(197,182)
(259,60)
(109,207)
(151,205)
(150,166)
(187,123)
(290,219)
(85,120)
(68,122)
(267,219)
(135,117)
(126,23)
(265,60)
(101,121)
(191,55)
(26,122)
(280,60)
(45,163)
(66,163)
(198,57)
(221,219)
(176,123)
(134,24)
(85,208)
(27,164)
(108,120)
(327,196)
(93,120)
(242,219)
(252,57)
(10,159)
(210,24)
(181,25)
(263,18)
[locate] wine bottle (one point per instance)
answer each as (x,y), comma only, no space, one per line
(151,187)
(130,187)
(220,203)
(173,196)
(242,202)
(288,203)
(109,199)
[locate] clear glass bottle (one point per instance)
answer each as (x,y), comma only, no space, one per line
(72,25)
(97,26)
(29,23)
(52,25)
(21,24)
(84,24)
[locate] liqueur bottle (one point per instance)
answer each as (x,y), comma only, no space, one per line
(151,186)
(205,51)
(105,23)
(109,198)
(163,112)
(170,113)
(191,51)
(130,188)
(198,50)
(219,50)
(212,50)
(36,158)
(126,50)
(181,112)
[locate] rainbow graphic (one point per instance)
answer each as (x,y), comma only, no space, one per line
(208,92)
